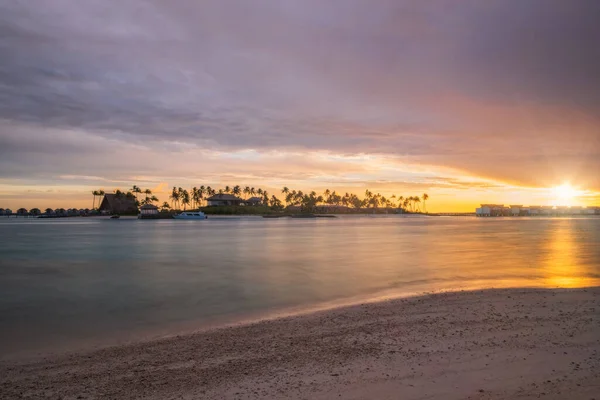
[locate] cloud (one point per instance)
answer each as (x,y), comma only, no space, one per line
(501,89)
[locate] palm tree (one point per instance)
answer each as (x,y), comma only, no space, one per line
(275,203)
(174,196)
(201,192)
(368,196)
(136,190)
(289,197)
(180,191)
(237,190)
(252,191)
(94,193)
(165,206)
(246,192)
(148,193)
(227,189)
(417,201)
(425,198)
(185,199)
(194,196)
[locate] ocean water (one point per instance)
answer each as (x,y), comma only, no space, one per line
(76,282)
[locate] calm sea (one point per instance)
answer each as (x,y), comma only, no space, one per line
(74,282)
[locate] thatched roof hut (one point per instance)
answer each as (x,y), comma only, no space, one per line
(254,201)
(118,204)
(224,200)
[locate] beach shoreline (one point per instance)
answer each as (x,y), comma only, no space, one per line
(486,344)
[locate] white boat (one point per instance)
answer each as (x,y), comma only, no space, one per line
(190,215)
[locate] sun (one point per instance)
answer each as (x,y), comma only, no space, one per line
(564,194)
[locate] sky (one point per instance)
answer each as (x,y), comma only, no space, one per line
(468,101)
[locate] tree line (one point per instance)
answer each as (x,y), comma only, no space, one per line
(181,198)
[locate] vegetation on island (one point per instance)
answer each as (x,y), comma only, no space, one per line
(291,200)
(262,202)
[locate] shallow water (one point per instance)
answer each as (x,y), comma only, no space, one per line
(65,282)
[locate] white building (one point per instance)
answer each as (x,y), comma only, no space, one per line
(491,210)
(148,210)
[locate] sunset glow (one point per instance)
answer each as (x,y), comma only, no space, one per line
(398,99)
(565,195)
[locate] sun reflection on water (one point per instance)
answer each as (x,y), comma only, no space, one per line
(562,267)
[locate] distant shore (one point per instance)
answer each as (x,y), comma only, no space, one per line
(490,344)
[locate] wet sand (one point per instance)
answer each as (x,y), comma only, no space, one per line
(492,344)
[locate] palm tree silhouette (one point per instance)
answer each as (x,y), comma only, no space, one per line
(180,192)
(136,190)
(165,206)
(174,196)
(417,200)
(100,195)
(237,190)
(148,193)
(94,193)
(425,198)
(185,199)
(194,196)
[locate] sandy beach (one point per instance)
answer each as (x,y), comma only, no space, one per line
(492,344)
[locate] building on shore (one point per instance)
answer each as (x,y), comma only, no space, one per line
(492,210)
(516,210)
(254,201)
(117,204)
(148,211)
(224,200)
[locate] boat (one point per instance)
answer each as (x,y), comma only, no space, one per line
(115,216)
(190,215)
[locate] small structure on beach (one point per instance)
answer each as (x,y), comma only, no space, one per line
(254,201)
(113,203)
(492,210)
(22,212)
(224,200)
(148,210)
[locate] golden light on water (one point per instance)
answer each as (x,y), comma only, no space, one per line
(562,268)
